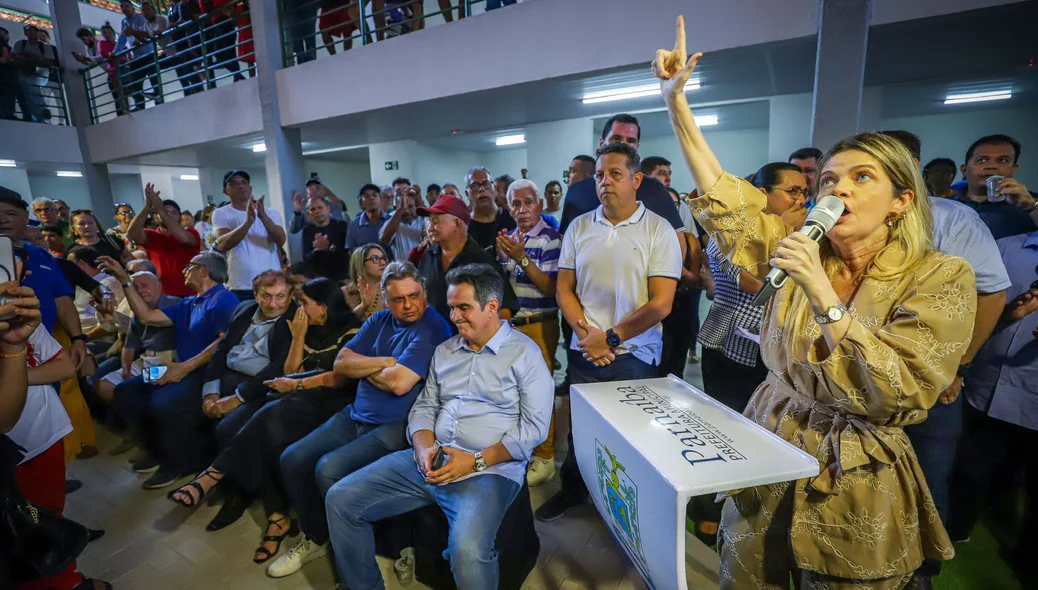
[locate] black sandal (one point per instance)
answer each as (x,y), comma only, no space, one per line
(292,531)
(194,484)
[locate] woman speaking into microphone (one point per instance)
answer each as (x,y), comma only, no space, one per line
(859,342)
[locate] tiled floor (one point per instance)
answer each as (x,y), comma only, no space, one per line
(151,543)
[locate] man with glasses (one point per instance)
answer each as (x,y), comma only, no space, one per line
(46,211)
(170,246)
(404,230)
(487,218)
(253,351)
(249,232)
(167,411)
(365,227)
(123,216)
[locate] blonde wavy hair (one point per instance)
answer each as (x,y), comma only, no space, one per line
(909,237)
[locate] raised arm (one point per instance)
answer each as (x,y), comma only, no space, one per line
(275,232)
(141,310)
(154,202)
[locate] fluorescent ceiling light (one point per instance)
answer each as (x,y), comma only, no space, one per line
(631,92)
(259,148)
(332,149)
(705,120)
(966,97)
(70,174)
(7,163)
(188,177)
(510,139)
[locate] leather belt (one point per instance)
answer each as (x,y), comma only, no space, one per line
(534,319)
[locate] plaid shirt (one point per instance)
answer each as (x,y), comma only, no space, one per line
(730,309)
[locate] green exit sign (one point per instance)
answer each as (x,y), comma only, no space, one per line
(394,165)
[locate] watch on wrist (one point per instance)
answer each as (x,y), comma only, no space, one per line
(127,284)
(78,338)
(832,314)
(299,385)
(612,338)
(481,463)
(964,370)
(524,262)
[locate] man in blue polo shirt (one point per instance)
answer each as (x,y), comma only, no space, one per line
(1014,210)
(365,227)
(178,432)
(41,273)
(390,355)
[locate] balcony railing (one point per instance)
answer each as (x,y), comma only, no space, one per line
(187,59)
(32,93)
(317,28)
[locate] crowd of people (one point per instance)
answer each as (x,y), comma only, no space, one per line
(407,359)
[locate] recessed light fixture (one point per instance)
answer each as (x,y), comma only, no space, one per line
(966,97)
(705,120)
(330,150)
(516,139)
(188,177)
(631,92)
(259,148)
(7,164)
(70,174)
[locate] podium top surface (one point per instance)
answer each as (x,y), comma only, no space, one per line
(696,443)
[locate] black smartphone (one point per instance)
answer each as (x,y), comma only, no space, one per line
(439,459)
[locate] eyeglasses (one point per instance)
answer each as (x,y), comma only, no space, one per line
(377,258)
(793,192)
(485,185)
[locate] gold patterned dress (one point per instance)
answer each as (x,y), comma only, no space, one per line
(867,521)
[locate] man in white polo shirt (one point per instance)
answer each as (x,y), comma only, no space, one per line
(618,270)
(247,233)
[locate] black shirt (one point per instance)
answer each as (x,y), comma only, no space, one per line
(1004,219)
(335,230)
(485,233)
(431,268)
(106,246)
(582,198)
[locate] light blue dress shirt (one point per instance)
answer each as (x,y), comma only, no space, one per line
(474,400)
(959,231)
(1003,382)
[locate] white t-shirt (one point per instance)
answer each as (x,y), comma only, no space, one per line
(88,315)
(408,236)
(43,421)
(685,213)
(254,254)
(613,265)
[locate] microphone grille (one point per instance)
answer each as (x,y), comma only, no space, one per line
(826,212)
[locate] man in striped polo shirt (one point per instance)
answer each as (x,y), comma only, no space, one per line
(530,255)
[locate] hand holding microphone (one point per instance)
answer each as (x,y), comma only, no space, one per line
(797,255)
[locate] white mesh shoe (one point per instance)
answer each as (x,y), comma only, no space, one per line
(539,471)
(304,552)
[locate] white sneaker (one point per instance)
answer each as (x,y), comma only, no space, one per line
(404,567)
(304,552)
(540,471)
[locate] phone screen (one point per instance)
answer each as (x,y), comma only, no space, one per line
(152,374)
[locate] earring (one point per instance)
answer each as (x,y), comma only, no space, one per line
(892,220)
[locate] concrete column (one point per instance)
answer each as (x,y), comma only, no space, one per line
(284,156)
(843,31)
(65,15)
(550,147)
(789,125)
(402,154)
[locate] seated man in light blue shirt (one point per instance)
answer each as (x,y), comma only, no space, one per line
(486,404)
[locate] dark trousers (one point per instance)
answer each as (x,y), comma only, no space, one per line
(138,70)
(678,335)
(989,446)
(303,33)
(252,457)
(935,442)
(220,46)
(170,420)
(336,449)
(625,367)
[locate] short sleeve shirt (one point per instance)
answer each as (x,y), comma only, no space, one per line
(170,257)
(958,230)
(43,421)
(47,282)
(255,253)
(363,231)
(412,345)
(199,320)
(613,265)
(144,338)
(582,198)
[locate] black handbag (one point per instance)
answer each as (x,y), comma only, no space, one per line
(40,542)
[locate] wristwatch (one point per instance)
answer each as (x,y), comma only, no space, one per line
(964,370)
(612,338)
(78,338)
(127,284)
(299,385)
(481,463)
(832,314)
(524,262)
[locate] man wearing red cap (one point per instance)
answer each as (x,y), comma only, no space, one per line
(452,247)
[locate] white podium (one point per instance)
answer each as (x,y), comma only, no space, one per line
(645,447)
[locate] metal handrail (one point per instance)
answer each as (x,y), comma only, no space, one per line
(24,98)
(300,41)
(193,51)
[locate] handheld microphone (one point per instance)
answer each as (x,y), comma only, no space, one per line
(820,220)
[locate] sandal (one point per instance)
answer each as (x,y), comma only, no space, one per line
(292,531)
(197,486)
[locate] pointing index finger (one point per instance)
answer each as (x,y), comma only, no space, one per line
(679,43)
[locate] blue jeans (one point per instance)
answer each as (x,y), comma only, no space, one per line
(625,367)
(336,449)
(393,485)
(935,442)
